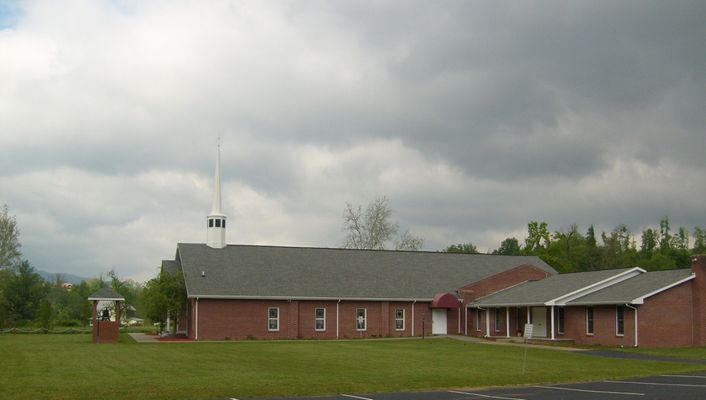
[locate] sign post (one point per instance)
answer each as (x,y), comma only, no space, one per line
(527,335)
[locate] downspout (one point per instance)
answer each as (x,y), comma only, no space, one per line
(196,333)
(413,301)
(465,321)
(459,320)
(635,309)
(487,322)
(552,311)
(339,301)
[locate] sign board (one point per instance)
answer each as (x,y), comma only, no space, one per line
(528,331)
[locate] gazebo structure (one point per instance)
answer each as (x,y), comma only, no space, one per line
(105,325)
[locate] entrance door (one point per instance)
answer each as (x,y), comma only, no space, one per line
(438,321)
(539,321)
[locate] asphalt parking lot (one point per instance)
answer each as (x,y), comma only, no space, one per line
(690,386)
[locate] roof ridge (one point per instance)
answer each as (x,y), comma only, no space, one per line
(362,250)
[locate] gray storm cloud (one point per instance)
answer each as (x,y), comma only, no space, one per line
(472,117)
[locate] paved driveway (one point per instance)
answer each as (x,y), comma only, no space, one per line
(691,386)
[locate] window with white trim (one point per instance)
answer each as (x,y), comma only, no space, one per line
(273,319)
(589,320)
(478,319)
(619,320)
(560,320)
(361,319)
(399,319)
(320,319)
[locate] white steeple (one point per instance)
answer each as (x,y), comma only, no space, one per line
(216,220)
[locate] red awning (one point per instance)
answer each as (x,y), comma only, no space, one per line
(445,300)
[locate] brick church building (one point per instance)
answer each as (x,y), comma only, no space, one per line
(272,292)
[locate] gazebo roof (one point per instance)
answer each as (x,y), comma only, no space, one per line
(106,293)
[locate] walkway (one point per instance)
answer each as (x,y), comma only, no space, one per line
(144,338)
(497,343)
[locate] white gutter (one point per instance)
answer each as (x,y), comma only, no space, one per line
(552,312)
(465,320)
(634,308)
(641,299)
(586,290)
(459,320)
(487,322)
(196,334)
(413,316)
(229,297)
(339,301)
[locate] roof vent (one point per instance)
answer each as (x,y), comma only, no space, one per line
(203,274)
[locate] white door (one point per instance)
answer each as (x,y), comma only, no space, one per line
(438,321)
(539,322)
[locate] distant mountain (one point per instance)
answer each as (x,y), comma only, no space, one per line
(71,278)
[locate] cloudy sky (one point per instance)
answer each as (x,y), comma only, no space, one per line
(472,117)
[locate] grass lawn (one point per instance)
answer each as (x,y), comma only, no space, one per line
(678,352)
(70,367)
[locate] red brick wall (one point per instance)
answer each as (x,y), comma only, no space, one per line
(698,267)
(604,327)
(666,319)
(241,319)
(502,280)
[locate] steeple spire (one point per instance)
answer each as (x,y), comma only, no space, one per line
(216,207)
(216,220)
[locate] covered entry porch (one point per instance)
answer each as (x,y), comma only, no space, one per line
(509,321)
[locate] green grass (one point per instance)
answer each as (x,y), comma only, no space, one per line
(677,352)
(70,367)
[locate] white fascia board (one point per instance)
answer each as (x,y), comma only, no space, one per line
(562,300)
(105,299)
(228,297)
(641,299)
(503,305)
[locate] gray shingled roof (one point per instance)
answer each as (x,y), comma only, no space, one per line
(541,292)
(293,272)
(106,293)
(634,288)
(170,266)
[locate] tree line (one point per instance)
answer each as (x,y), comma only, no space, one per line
(570,250)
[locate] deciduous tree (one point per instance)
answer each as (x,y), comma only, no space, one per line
(374,229)
(466,248)
(9,239)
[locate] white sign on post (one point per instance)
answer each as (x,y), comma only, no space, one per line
(528,335)
(528,331)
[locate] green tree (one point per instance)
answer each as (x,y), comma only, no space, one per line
(5,276)
(537,236)
(374,229)
(591,236)
(508,247)
(650,239)
(24,293)
(467,248)
(665,241)
(9,239)
(699,241)
(165,294)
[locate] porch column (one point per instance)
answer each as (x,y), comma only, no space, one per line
(507,322)
(528,314)
(487,322)
(552,311)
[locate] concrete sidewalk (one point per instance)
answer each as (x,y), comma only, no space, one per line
(144,338)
